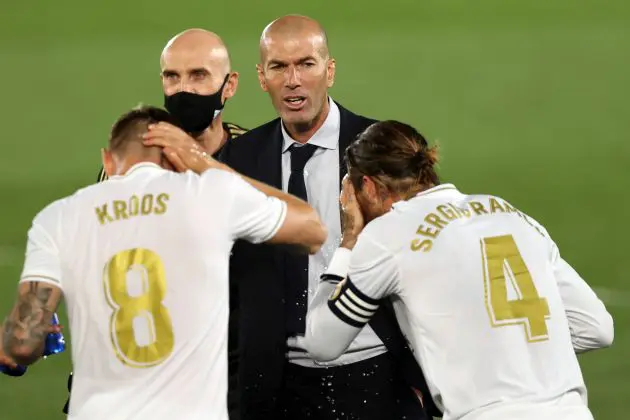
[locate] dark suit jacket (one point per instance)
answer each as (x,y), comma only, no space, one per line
(259,272)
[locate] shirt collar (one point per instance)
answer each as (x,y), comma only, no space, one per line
(437,188)
(139,167)
(327,136)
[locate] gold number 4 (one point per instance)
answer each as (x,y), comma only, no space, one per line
(145,306)
(502,263)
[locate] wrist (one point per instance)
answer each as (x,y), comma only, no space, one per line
(202,167)
(348,240)
(339,262)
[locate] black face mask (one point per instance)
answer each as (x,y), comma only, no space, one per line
(194,113)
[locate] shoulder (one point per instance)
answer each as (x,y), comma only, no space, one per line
(256,134)
(238,150)
(354,119)
(376,249)
(234,130)
(499,205)
(52,211)
(384,232)
(216,178)
(51,215)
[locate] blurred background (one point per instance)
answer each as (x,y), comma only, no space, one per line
(528,100)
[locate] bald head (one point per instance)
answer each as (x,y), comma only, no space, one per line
(199,43)
(294,27)
(296,70)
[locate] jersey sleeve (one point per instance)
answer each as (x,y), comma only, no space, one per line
(372,275)
(590,323)
(253,215)
(348,296)
(42,261)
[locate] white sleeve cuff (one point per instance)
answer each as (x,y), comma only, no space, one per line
(282,215)
(340,262)
(40,279)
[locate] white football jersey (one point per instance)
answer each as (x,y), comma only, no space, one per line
(483,297)
(142,260)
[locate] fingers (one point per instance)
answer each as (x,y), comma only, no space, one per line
(5,361)
(166,129)
(167,136)
(347,192)
(159,137)
(164,126)
(54,329)
(173,157)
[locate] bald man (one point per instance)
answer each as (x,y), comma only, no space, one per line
(197,80)
(301,152)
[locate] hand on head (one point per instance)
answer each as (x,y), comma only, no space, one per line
(181,150)
(352,221)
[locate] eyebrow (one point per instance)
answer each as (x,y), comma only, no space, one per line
(299,61)
(168,72)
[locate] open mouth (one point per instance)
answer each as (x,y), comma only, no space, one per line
(295,102)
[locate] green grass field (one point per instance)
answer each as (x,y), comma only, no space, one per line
(528,100)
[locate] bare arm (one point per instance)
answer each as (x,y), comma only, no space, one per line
(342,306)
(302,225)
(28,324)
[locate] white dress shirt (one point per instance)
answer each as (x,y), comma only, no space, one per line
(321,176)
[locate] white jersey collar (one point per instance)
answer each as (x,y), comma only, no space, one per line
(139,167)
(437,188)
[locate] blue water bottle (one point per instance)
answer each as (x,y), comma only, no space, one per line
(55,344)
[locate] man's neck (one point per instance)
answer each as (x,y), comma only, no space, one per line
(213,137)
(302,133)
(125,165)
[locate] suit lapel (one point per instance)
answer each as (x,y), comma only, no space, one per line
(269,171)
(269,159)
(347,134)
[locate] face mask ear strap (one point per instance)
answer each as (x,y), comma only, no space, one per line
(220,92)
(227,77)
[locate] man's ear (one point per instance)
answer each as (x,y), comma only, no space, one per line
(371,189)
(261,77)
(230,86)
(331,67)
(108,163)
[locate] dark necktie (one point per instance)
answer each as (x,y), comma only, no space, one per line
(297,264)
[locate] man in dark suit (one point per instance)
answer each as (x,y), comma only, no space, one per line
(302,153)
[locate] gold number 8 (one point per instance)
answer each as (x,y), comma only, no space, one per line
(529,310)
(145,308)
